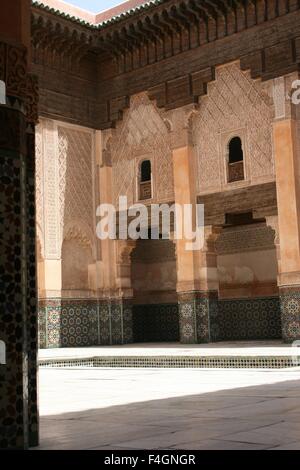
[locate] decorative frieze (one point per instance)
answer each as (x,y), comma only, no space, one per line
(245,238)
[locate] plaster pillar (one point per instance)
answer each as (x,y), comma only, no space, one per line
(122,317)
(272,222)
(48,219)
(114,267)
(285,135)
(197,279)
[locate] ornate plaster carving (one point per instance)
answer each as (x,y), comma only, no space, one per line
(234,101)
(142,132)
(279,97)
(65,195)
(246,238)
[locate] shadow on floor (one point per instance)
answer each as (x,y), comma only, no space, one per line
(255,418)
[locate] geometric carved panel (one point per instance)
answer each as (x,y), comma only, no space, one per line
(39,192)
(245,238)
(65,196)
(76,199)
(234,101)
(141,135)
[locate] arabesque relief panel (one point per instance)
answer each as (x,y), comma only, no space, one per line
(141,135)
(235,105)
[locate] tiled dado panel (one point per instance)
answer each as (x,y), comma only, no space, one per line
(198,313)
(77,323)
(201,319)
(248,319)
(68,323)
(204,318)
(115,322)
(290,313)
(155,323)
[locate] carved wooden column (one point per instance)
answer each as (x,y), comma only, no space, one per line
(18,316)
(287,164)
(197,281)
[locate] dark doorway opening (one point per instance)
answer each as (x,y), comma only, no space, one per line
(154,278)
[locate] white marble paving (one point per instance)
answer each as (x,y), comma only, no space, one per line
(237,348)
(170,409)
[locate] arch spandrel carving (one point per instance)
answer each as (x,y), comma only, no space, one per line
(142,132)
(234,101)
(79,231)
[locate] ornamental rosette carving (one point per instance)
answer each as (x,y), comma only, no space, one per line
(19,84)
(16,71)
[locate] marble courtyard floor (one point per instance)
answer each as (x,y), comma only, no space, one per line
(94,408)
(241,348)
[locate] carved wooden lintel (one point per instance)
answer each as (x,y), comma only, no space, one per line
(13,69)
(20,85)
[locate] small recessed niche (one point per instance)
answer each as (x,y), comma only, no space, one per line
(235,160)
(145,180)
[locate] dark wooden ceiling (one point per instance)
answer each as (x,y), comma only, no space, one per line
(87,73)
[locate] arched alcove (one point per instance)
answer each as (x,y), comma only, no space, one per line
(145,180)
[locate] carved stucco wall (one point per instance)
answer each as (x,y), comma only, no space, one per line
(247,263)
(76,179)
(141,135)
(235,105)
(65,187)
(154,272)
(76,257)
